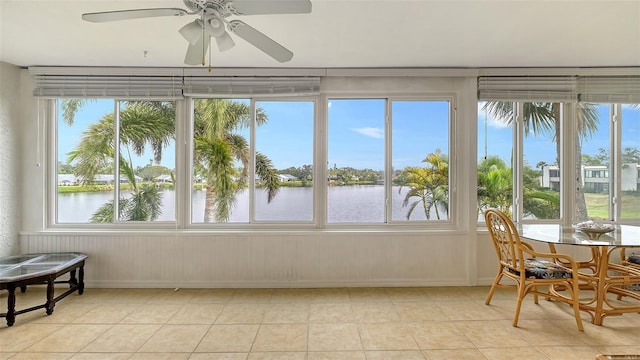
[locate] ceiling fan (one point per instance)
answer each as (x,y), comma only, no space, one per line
(211,22)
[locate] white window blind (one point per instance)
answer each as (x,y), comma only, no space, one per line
(528,88)
(108,86)
(250,86)
(609,89)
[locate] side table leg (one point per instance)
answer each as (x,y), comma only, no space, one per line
(50,292)
(73,282)
(81,279)
(11,305)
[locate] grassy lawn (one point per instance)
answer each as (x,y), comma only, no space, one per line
(598,206)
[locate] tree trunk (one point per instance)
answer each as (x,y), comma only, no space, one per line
(210,205)
(581,203)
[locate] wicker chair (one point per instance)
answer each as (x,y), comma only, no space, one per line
(533,272)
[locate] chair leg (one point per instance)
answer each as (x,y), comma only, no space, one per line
(494,286)
(521,295)
(576,306)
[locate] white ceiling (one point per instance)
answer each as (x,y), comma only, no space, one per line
(339,34)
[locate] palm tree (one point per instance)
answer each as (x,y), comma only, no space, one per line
(495,185)
(141,123)
(218,148)
(541,117)
(429,185)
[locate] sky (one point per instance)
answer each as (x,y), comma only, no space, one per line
(356,131)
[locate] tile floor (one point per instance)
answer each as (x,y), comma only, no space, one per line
(312,324)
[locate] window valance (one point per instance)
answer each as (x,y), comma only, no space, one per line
(170,86)
(593,89)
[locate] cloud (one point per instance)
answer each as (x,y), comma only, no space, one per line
(491,120)
(375,133)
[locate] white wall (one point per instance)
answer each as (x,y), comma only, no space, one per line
(10,173)
(309,258)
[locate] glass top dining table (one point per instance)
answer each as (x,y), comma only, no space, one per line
(623,235)
(607,280)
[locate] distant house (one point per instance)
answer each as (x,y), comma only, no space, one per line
(163,179)
(595,178)
(67,180)
(286,177)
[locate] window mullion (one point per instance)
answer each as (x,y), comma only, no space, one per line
(518,158)
(116,162)
(615,166)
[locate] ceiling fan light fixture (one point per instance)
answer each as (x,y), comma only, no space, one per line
(192,32)
(224,42)
(214,26)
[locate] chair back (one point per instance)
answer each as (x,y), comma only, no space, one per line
(505,239)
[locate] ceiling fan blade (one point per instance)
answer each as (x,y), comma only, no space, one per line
(259,7)
(132,14)
(192,32)
(195,53)
(260,40)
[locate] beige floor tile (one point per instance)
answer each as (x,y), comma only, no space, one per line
(251,296)
(569,352)
(386,336)
(190,296)
(522,353)
(100,356)
(446,294)
(329,295)
(439,335)
(277,356)
(295,313)
(285,337)
(336,355)
(6,355)
(420,311)
(457,354)
(41,356)
(491,333)
(407,294)
(151,314)
(122,338)
(197,314)
(156,356)
(327,337)
(218,356)
(395,355)
(375,312)
(22,335)
(106,314)
(360,295)
(175,338)
(241,314)
(467,310)
(331,313)
(228,338)
(549,334)
(69,338)
(595,335)
(291,296)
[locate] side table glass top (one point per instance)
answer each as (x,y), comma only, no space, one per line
(623,235)
(16,267)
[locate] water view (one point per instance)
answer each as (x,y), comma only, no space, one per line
(347,204)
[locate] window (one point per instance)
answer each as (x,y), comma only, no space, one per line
(595,144)
(629,161)
(359,139)
(227,174)
(91,173)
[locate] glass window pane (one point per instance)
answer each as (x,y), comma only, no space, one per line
(356,161)
(495,153)
(420,143)
(220,161)
(630,162)
(85,169)
(541,165)
(147,160)
(284,161)
(593,142)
